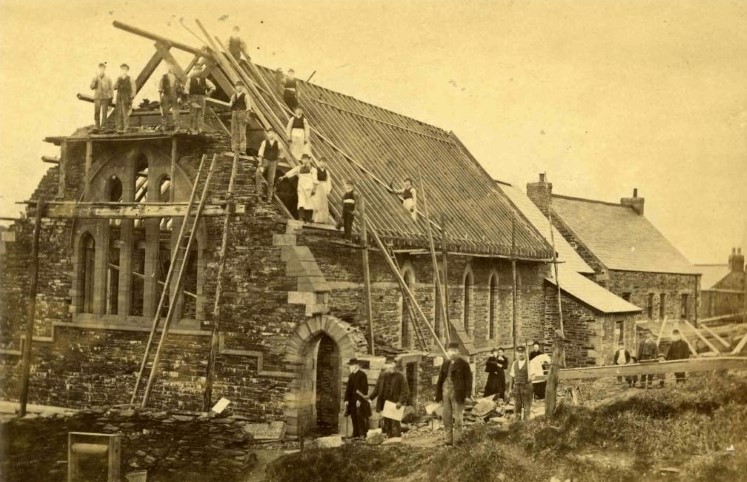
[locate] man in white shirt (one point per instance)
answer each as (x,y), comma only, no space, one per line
(521,381)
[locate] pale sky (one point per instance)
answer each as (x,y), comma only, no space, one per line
(604,96)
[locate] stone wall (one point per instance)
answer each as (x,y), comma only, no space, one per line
(171,446)
(640,285)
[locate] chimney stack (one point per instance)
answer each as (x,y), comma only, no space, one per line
(540,193)
(736,261)
(635,202)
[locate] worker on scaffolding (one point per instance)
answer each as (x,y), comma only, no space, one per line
(307,184)
(126,90)
(321,203)
(171,89)
(235,44)
(198,88)
(409,197)
(268,154)
(348,211)
(102,88)
(290,90)
(240,106)
(298,134)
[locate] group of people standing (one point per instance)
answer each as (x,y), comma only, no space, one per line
(648,352)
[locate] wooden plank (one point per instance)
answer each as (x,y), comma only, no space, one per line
(700,335)
(366,277)
(715,335)
(152,36)
(445,263)
(163,51)
(691,365)
(147,71)
(87,174)
(69,210)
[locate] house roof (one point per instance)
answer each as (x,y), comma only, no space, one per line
(619,237)
(590,293)
(572,282)
(711,274)
(373,146)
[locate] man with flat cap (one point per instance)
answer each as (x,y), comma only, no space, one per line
(126,90)
(356,404)
(240,107)
(521,381)
(453,387)
(391,387)
(102,95)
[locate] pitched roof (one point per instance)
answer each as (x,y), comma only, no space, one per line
(373,146)
(619,237)
(711,274)
(571,280)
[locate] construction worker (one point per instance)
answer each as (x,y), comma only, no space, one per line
(521,382)
(240,107)
(235,44)
(290,90)
(647,352)
(306,188)
(198,88)
(171,89)
(268,154)
(102,95)
(356,403)
(321,203)
(453,388)
(126,89)
(391,387)
(348,211)
(409,197)
(678,350)
(298,134)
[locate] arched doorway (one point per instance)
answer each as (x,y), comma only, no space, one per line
(327,383)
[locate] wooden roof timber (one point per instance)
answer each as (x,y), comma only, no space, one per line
(159,38)
(126,210)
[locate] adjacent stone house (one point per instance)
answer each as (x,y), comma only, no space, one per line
(722,286)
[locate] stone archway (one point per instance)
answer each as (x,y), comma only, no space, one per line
(310,407)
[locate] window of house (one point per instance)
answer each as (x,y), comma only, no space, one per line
(114,195)
(86,270)
(684,311)
(619,331)
(492,305)
(650,306)
(662,306)
(138,281)
(467,315)
(141,184)
(164,196)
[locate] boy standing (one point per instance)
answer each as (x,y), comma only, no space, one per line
(102,95)
(240,106)
(198,87)
(126,89)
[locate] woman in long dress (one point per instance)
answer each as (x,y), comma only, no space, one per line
(323,188)
(496,365)
(306,188)
(298,134)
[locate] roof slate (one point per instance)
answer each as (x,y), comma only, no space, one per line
(619,237)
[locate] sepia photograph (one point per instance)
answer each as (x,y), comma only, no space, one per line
(373,241)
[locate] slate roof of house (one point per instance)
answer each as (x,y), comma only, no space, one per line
(619,237)
(572,281)
(373,146)
(711,274)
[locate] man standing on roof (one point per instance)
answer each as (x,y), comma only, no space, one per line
(290,90)
(235,44)
(198,88)
(307,182)
(240,107)
(348,211)
(170,88)
(269,152)
(126,89)
(298,134)
(453,387)
(321,204)
(102,95)
(409,197)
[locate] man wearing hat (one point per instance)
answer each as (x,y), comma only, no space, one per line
(521,381)
(356,404)
(307,182)
(391,387)
(198,87)
(102,88)
(268,154)
(240,106)
(170,89)
(126,90)
(678,350)
(453,387)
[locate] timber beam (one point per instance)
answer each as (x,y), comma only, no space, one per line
(72,210)
(159,38)
(674,366)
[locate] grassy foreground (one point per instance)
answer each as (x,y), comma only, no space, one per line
(686,427)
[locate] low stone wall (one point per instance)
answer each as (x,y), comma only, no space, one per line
(171,446)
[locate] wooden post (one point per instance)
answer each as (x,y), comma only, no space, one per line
(31,309)
(513,276)
(445,262)
(551,391)
(89,161)
(172,174)
(366,277)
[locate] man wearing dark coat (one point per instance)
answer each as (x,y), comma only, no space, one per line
(495,366)
(356,405)
(391,387)
(453,387)
(622,357)
(648,351)
(678,350)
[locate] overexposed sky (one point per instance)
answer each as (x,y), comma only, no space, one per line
(603,95)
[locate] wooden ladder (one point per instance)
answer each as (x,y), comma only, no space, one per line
(410,309)
(180,261)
